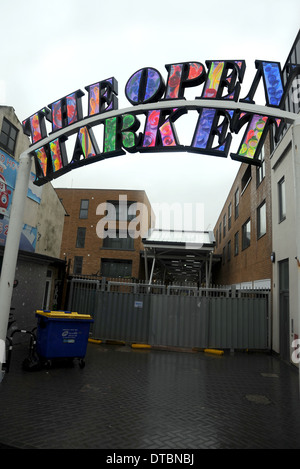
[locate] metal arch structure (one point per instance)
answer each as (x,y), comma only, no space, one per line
(275,112)
(18,202)
(180,107)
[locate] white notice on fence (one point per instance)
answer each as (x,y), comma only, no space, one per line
(138,304)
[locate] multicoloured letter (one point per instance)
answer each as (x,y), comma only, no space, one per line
(218,79)
(207,129)
(102,96)
(181,76)
(144,86)
(66,111)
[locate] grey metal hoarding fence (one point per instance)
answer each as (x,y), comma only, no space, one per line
(173,315)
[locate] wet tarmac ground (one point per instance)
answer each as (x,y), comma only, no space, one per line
(131,399)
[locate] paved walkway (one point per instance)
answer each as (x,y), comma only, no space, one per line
(148,399)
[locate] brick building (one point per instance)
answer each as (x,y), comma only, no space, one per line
(243,230)
(258,230)
(103,231)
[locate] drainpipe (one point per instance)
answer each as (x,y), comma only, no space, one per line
(11,249)
(146,265)
(208,264)
(152,270)
(209,269)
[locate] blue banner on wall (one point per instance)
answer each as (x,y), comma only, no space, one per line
(8,176)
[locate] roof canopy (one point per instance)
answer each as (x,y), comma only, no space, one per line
(186,256)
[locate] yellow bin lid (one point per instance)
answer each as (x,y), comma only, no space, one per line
(63,315)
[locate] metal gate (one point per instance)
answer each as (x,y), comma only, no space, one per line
(174,315)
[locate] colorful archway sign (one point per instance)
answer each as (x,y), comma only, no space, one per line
(218,111)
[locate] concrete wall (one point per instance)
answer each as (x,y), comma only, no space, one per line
(29,294)
(22,140)
(50,223)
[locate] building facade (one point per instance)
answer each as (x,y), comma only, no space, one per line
(103,231)
(284,231)
(258,230)
(243,231)
(285,224)
(39,270)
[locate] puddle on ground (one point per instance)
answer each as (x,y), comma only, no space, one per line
(269,375)
(258,399)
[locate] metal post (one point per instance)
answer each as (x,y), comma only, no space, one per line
(296,158)
(209,268)
(146,265)
(69,305)
(11,249)
(152,270)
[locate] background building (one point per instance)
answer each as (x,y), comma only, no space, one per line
(285,224)
(103,231)
(243,231)
(257,232)
(39,270)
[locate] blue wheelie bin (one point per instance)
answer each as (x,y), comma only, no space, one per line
(62,334)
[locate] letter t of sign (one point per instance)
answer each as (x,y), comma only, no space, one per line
(34,126)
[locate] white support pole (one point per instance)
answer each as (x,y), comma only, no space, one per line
(146,265)
(11,249)
(152,270)
(296,158)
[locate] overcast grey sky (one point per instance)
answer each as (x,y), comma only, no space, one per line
(50,49)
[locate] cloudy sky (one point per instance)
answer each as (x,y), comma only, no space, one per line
(52,48)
